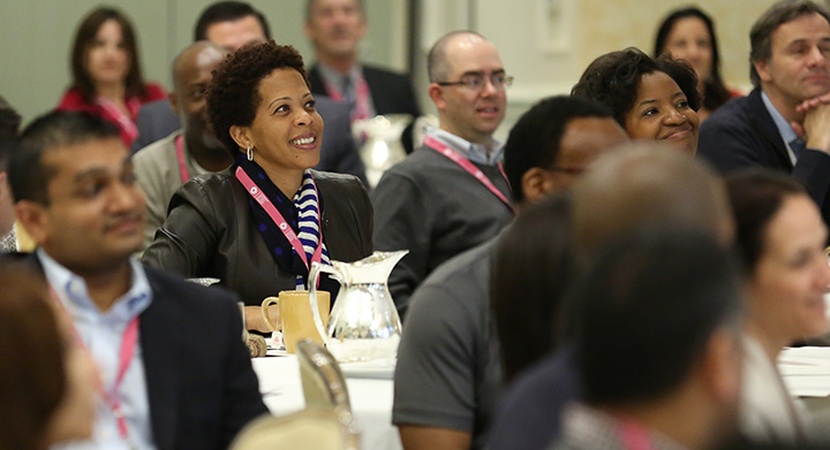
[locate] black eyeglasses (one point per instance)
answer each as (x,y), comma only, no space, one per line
(476,81)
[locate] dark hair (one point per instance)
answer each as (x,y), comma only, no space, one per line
(647,309)
(85,37)
(33,352)
(533,265)
(756,195)
(9,125)
(28,175)
(760,36)
(227,12)
(613,79)
(714,92)
(309,4)
(9,120)
(233,95)
(535,139)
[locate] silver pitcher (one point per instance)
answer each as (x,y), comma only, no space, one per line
(364,324)
(381,148)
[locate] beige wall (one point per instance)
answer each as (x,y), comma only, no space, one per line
(635,22)
(37,38)
(546,44)
(546,53)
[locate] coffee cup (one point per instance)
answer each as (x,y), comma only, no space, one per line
(296,319)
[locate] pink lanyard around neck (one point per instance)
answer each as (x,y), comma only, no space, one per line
(633,436)
(470,168)
(361,109)
(180,158)
(124,121)
(125,356)
(280,221)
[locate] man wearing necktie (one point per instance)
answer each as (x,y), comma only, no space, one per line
(335,28)
(784,123)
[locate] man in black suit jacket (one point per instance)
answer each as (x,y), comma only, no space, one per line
(335,28)
(773,126)
(187,380)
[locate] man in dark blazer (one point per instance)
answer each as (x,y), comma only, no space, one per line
(335,28)
(773,126)
(157,120)
(187,379)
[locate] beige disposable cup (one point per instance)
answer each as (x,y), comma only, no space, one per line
(296,318)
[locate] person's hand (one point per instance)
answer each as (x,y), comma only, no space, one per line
(255,321)
(815,127)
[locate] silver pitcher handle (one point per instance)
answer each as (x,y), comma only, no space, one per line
(313,275)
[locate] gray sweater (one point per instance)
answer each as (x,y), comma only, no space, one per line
(435,209)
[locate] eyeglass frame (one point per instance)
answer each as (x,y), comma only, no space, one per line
(505,83)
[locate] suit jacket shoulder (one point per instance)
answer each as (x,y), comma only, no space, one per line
(201,386)
(391,92)
(742,134)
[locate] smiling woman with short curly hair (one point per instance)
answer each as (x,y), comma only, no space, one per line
(259,226)
(651,98)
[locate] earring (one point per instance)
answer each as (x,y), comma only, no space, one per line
(250,153)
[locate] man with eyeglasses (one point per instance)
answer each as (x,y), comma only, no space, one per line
(451,193)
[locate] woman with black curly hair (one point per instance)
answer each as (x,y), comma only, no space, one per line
(260,224)
(653,99)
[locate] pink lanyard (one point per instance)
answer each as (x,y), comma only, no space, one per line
(465,164)
(633,436)
(361,109)
(124,121)
(125,357)
(180,158)
(279,220)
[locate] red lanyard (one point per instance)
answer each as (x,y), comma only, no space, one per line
(279,220)
(125,357)
(633,436)
(361,109)
(124,121)
(471,168)
(180,158)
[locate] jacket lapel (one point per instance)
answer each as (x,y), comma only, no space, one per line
(160,354)
(765,127)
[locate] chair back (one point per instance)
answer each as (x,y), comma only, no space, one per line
(323,383)
(324,386)
(309,429)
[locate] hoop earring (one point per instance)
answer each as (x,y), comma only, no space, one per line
(250,153)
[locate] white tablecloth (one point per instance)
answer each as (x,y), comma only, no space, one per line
(279,382)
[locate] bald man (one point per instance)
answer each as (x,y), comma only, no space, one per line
(165,165)
(641,185)
(450,194)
